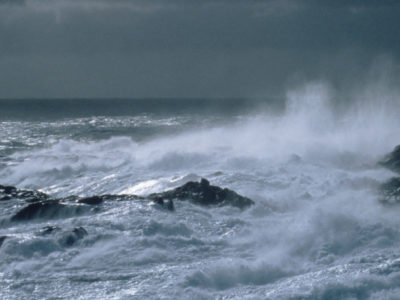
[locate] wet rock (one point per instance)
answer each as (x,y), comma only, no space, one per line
(47,210)
(70,238)
(94,200)
(5,198)
(165,204)
(2,238)
(203,193)
(392,160)
(390,191)
(11,192)
(7,189)
(170,205)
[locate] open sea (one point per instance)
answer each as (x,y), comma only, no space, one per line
(316,231)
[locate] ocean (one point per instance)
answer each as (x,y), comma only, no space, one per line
(317,229)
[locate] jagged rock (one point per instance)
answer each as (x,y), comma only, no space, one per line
(42,207)
(392,160)
(391,191)
(2,238)
(73,236)
(203,193)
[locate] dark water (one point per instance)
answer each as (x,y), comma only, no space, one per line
(54,109)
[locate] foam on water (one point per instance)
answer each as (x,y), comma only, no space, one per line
(316,231)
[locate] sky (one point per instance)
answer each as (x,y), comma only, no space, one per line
(192,48)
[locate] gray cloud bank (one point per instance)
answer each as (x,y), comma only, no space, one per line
(193,48)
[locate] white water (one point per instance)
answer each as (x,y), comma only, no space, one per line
(316,231)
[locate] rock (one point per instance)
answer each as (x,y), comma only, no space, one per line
(7,189)
(10,192)
(73,236)
(170,205)
(49,230)
(390,191)
(203,194)
(47,210)
(43,209)
(2,238)
(392,160)
(94,200)
(160,201)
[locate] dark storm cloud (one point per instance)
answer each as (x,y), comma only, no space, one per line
(12,2)
(186,48)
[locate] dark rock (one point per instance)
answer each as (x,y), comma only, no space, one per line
(170,205)
(2,238)
(160,201)
(390,191)
(73,236)
(10,192)
(7,189)
(5,198)
(204,194)
(47,210)
(94,200)
(392,160)
(49,230)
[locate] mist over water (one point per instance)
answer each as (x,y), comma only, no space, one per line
(317,230)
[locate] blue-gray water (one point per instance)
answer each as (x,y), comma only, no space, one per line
(317,230)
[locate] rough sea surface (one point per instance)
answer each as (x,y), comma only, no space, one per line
(317,229)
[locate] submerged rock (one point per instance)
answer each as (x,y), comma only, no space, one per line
(71,237)
(392,160)
(203,193)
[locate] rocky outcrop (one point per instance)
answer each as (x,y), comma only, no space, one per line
(47,210)
(202,193)
(41,206)
(392,160)
(390,190)
(11,192)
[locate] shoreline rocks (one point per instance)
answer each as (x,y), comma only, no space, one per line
(390,189)
(391,160)
(202,193)
(42,206)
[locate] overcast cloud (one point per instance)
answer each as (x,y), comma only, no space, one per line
(192,48)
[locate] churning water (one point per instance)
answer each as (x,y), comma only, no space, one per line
(316,231)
